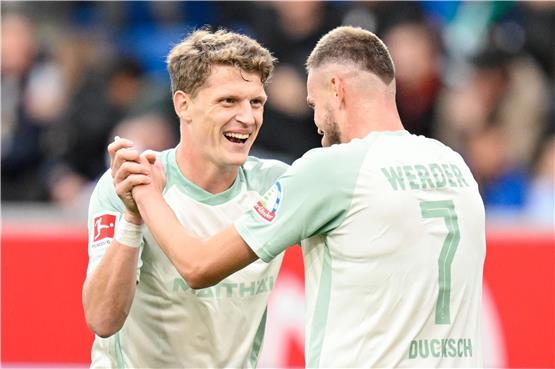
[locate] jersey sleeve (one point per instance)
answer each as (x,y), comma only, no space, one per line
(312,197)
(260,174)
(105,209)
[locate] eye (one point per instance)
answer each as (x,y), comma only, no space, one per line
(257,103)
(228,101)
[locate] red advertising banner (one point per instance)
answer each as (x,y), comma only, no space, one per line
(42,322)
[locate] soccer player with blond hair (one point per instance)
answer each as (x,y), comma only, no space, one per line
(135,299)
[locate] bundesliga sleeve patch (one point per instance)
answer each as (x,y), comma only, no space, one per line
(104,226)
(268,205)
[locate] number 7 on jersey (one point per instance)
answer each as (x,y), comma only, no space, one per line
(446,210)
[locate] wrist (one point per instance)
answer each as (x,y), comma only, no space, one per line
(143,194)
(129,234)
(133,218)
(140,192)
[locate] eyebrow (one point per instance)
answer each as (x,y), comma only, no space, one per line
(264,98)
(236,95)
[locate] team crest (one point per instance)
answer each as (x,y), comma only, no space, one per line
(104,226)
(268,206)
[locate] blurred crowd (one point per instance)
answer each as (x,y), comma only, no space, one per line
(478,76)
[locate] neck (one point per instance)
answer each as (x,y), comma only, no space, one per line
(204,173)
(372,114)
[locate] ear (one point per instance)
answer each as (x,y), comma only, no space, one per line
(338,89)
(182,105)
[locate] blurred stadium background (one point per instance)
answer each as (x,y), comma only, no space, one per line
(479,76)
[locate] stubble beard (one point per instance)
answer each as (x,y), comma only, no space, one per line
(332,131)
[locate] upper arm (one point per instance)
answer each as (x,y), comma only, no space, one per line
(105,209)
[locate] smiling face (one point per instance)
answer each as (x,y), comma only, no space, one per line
(319,98)
(223,119)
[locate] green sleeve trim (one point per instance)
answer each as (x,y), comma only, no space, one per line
(258,340)
(119,353)
(320,315)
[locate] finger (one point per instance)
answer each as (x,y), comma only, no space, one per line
(126,186)
(144,161)
(123,155)
(117,144)
(150,156)
(127,154)
(130,168)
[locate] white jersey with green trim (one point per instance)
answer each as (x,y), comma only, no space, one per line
(394,249)
(171,325)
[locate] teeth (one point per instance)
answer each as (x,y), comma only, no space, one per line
(240,136)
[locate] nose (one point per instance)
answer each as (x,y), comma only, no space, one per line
(245,113)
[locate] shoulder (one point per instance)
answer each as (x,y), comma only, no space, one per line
(409,146)
(441,149)
(104,185)
(254,164)
(260,174)
(333,159)
(430,143)
(104,195)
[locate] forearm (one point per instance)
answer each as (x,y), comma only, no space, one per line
(109,290)
(184,249)
(201,263)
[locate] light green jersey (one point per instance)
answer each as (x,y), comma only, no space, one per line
(394,250)
(171,325)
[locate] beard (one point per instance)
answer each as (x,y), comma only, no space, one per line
(332,134)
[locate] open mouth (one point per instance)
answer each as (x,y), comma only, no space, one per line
(240,138)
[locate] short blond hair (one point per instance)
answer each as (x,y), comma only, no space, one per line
(355,45)
(189,62)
